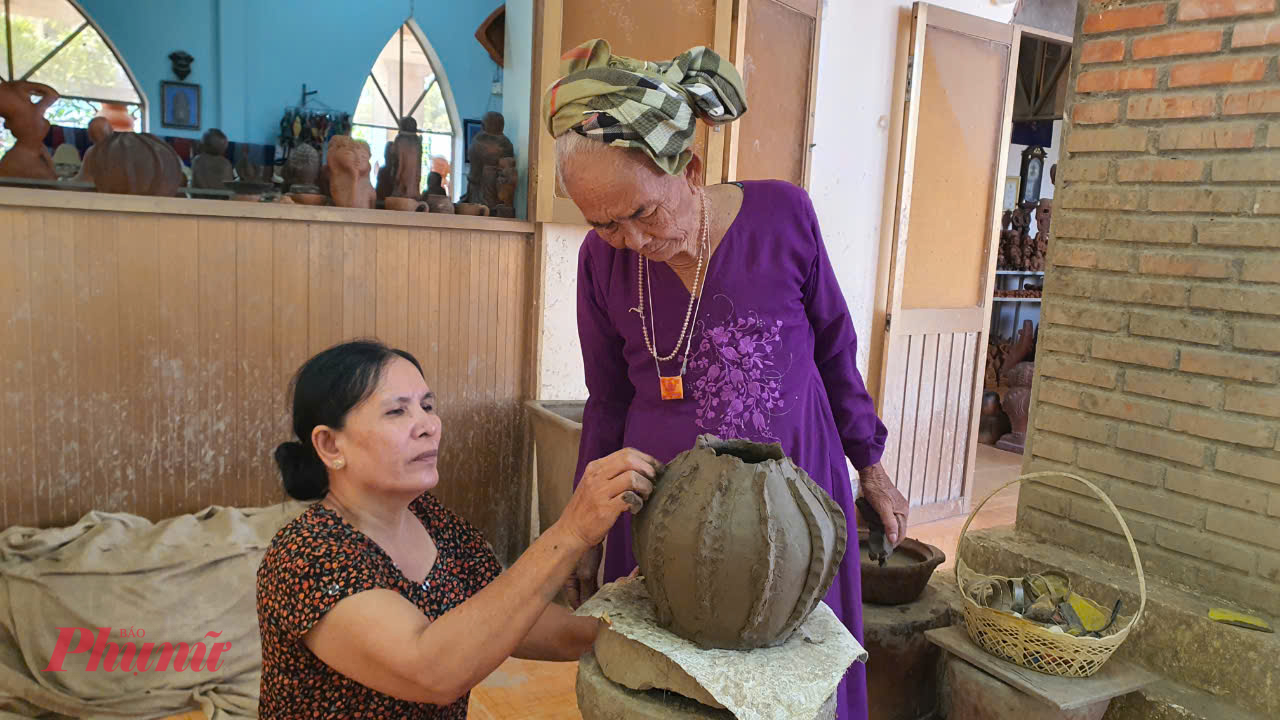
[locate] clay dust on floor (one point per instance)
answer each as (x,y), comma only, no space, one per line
(545,691)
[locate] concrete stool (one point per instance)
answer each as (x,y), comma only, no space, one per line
(599,698)
(982,686)
(903,667)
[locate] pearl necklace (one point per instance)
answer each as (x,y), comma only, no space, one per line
(672,387)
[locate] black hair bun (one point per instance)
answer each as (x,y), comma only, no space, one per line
(305,476)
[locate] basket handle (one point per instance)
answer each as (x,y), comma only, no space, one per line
(1133,547)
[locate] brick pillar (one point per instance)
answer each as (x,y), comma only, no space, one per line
(1159,358)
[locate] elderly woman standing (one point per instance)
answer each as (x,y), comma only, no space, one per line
(706,309)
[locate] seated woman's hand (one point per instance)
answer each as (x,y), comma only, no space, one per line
(613,484)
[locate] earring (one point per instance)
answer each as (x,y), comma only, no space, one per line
(339,463)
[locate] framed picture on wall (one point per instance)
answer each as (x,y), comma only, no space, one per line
(179,105)
(470,129)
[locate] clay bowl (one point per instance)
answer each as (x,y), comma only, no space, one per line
(308,198)
(439,204)
(903,577)
(404,204)
(473,209)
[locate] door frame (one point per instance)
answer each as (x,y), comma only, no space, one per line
(899,172)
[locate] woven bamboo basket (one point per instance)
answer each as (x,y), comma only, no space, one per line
(1033,646)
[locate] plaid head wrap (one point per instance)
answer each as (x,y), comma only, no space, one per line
(653,106)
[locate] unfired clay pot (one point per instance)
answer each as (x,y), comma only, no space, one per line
(737,545)
(439,203)
(348,164)
(134,164)
(472,209)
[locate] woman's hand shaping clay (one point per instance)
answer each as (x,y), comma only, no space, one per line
(874,485)
(609,486)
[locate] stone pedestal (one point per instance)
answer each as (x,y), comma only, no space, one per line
(975,695)
(904,667)
(602,699)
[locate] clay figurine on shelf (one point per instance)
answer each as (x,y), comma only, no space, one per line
(487,149)
(131,163)
(28,158)
(1018,372)
(210,169)
(435,195)
(720,512)
(408,161)
(99,130)
(508,176)
(302,170)
(348,165)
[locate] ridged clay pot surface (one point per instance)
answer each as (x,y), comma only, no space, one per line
(737,544)
(135,164)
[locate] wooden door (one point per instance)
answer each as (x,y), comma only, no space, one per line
(775,48)
(956,101)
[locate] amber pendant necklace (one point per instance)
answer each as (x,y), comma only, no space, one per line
(672,387)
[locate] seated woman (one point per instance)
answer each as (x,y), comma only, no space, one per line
(377,601)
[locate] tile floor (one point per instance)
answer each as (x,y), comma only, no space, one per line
(545,691)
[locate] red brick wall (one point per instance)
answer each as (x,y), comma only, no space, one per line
(1158,369)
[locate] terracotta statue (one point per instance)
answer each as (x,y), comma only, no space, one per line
(435,184)
(99,130)
(408,155)
(1018,374)
(28,158)
(487,148)
(302,170)
(994,423)
(349,167)
(737,545)
(134,164)
(508,176)
(210,169)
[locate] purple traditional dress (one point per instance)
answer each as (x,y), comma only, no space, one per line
(773,359)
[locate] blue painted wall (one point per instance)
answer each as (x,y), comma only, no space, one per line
(251,58)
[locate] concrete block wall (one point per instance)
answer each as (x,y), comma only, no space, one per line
(1158,368)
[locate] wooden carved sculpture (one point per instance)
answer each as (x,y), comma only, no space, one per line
(349,167)
(737,544)
(1018,374)
(28,158)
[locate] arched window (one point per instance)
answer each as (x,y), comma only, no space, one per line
(54,43)
(406,80)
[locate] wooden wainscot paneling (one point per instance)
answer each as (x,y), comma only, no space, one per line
(146,355)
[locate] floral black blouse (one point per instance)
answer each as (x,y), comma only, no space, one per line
(317,560)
